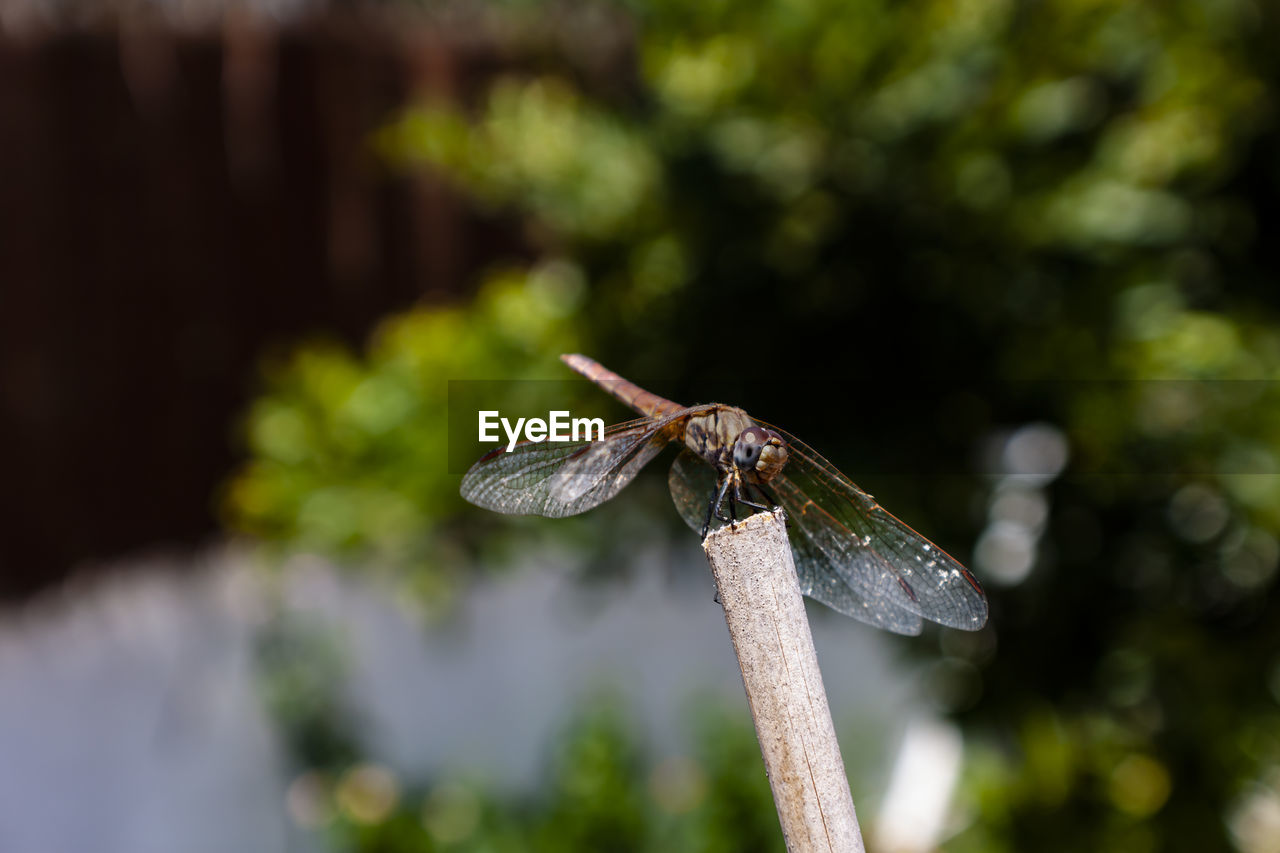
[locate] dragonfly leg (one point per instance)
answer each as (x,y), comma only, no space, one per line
(713,510)
(773,502)
(751,504)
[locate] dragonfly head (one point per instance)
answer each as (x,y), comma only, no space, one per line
(761,451)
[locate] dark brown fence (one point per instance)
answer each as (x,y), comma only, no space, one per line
(172,205)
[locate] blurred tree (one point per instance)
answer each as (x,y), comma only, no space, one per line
(976,215)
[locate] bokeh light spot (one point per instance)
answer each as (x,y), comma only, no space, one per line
(1139,785)
(1038,452)
(678,784)
(367,793)
(451,813)
(1198,513)
(1006,552)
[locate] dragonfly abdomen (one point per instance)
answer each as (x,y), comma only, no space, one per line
(626,392)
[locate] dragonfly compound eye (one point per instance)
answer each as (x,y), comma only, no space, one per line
(773,456)
(746,450)
(760,450)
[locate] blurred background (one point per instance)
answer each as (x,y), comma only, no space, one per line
(1009,265)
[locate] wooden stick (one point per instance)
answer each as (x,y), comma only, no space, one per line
(756,577)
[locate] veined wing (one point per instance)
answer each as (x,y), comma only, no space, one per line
(870,549)
(834,570)
(854,593)
(693,483)
(556,479)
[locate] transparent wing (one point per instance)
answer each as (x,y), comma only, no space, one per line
(693,483)
(566,478)
(837,571)
(852,592)
(886,563)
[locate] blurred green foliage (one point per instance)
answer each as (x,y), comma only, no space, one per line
(1027,195)
(348,453)
(602,794)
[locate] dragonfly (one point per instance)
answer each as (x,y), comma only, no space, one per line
(850,553)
